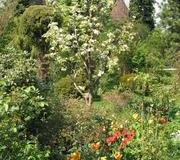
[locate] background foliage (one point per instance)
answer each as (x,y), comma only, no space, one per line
(135,109)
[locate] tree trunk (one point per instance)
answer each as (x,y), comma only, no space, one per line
(43,67)
(90,67)
(89,95)
(88,99)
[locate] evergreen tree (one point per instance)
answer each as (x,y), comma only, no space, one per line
(170,18)
(142,11)
(170,21)
(23,4)
(6,13)
(33,23)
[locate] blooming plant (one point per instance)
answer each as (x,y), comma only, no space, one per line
(95,146)
(112,146)
(84,45)
(120,139)
(118,155)
(75,156)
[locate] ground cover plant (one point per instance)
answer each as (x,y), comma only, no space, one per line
(77,85)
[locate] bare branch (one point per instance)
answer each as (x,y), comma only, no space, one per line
(78,89)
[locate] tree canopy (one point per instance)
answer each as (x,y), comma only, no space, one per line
(143,11)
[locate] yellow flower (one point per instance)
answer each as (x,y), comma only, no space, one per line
(118,155)
(135,115)
(150,121)
(103,158)
(95,146)
(114,126)
(121,126)
(75,156)
(104,129)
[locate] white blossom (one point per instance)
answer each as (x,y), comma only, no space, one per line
(100,73)
(79,36)
(96,32)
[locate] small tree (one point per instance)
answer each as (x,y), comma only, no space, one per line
(87,42)
(32,25)
(143,11)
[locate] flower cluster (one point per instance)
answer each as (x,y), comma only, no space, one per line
(113,138)
(124,135)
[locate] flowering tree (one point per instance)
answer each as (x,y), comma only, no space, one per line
(87,42)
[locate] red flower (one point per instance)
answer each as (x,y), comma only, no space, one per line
(127,136)
(117,134)
(111,139)
(124,141)
(124,132)
(133,133)
(130,135)
(122,146)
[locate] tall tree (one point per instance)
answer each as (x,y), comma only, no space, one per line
(23,4)
(170,18)
(33,24)
(86,43)
(170,21)
(143,11)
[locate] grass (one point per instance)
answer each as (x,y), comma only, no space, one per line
(111,111)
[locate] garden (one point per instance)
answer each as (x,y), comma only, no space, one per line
(78,84)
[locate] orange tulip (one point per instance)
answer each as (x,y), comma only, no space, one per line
(95,146)
(75,156)
(118,155)
(163,120)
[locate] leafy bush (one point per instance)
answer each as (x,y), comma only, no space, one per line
(108,82)
(152,140)
(150,54)
(129,68)
(22,107)
(93,135)
(118,99)
(65,88)
(18,110)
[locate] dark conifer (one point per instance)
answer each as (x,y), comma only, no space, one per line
(142,11)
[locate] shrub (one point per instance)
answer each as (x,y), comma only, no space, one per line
(127,81)
(23,4)
(22,108)
(65,88)
(19,109)
(33,23)
(108,82)
(117,98)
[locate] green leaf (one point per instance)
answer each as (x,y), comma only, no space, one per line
(6,107)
